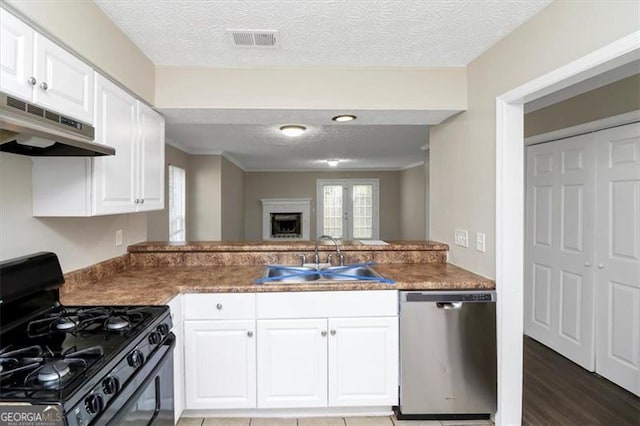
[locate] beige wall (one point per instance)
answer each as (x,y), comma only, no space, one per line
(232,201)
(158,221)
(412,203)
(317,88)
(84,28)
(79,242)
(613,99)
(463,148)
(205,201)
(259,185)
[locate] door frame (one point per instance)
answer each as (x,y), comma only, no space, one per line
(510,211)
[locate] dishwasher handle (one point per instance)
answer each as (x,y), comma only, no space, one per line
(449,305)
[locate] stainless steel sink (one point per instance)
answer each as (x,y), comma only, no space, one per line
(289,274)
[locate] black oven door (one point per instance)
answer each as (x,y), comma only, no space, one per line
(147,399)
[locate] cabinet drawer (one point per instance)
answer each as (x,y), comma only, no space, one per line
(219,306)
(323,304)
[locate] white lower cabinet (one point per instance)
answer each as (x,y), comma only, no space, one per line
(292,363)
(220,364)
(363,361)
(291,350)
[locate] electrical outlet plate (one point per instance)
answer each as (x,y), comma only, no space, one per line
(119,235)
(461,237)
(480,241)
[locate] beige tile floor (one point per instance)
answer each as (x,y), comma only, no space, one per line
(327,421)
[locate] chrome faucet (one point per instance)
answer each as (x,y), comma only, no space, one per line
(316,256)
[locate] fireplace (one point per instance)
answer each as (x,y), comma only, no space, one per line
(286,225)
(286,218)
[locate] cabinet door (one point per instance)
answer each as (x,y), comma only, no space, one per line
(16,56)
(65,83)
(363,361)
(220,364)
(150,153)
(114,176)
(292,363)
(178,371)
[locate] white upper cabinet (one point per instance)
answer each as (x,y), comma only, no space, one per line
(37,70)
(130,181)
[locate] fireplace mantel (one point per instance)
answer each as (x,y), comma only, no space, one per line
(286,205)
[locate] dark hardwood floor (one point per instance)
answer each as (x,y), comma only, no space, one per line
(559,392)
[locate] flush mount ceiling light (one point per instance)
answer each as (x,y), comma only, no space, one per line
(344,117)
(333,163)
(293,130)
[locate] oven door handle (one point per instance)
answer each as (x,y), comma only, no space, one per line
(115,420)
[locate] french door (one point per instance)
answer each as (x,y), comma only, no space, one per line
(347,209)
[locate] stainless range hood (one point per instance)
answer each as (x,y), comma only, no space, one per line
(28,129)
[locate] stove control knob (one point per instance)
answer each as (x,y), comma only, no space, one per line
(163,329)
(154,337)
(93,404)
(135,358)
(110,385)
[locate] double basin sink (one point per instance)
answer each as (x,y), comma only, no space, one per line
(322,273)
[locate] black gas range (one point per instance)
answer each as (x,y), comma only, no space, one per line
(85,365)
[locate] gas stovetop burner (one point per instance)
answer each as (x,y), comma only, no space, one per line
(54,371)
(116,323)
(64,324)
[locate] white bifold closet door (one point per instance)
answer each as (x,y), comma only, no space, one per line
(582,253)
(618,256)
(559,280)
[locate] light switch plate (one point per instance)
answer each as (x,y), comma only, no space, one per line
(461,237)
(119,236)
(480,243)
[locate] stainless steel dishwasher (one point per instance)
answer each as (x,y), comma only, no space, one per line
(447,355)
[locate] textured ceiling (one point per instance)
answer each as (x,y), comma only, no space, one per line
(264,147)
(330,33)
(375,140)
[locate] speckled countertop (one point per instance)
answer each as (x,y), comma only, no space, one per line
(157,285)
(257,246)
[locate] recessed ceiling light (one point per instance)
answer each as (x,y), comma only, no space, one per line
(344,117)
(333,163)
(293,130)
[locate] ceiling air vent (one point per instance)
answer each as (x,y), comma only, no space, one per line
(254,38)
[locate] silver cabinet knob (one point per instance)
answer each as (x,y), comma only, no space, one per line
(587,264)
(137,201)
(250,333)
(324,333)
(219,306)
(333,332)
(44,85)
(141,200)
(600,265)
(32,81)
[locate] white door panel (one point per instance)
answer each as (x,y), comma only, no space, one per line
(114,181)
(292,363)
(363,361)
(220,364)
(16,56)
(65,83)
(151,159)
(559,292)
(618,256)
